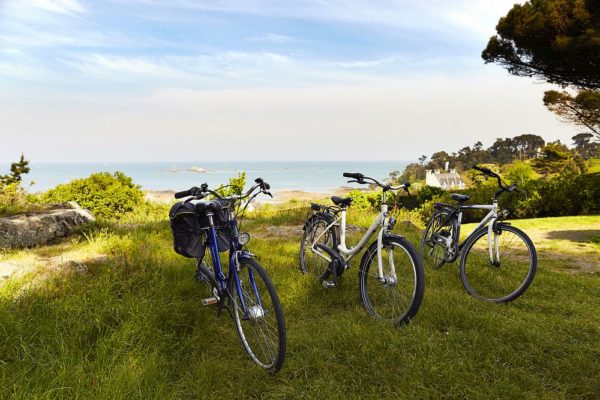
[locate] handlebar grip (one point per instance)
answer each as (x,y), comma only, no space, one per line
(356,175)
(485,171)
(185,193)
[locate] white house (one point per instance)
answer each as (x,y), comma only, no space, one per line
(447,179)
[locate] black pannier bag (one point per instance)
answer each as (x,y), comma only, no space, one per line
(190,229)
(188,236)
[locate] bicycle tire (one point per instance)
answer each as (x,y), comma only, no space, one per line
(376,308)
(255,332)
(469,274)
(310,262)
(433,253)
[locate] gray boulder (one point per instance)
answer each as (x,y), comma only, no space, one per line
(34,229)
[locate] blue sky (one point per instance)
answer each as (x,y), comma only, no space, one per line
(91,80)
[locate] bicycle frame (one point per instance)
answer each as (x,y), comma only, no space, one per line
(490,219)
(380,222)
(236,253)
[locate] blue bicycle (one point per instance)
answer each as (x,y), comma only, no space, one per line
(246,291)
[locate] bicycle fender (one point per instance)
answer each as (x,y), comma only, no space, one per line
(245,255)
(390,235)
(499,224)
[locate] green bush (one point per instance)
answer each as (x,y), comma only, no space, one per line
(106,195)
(362,200)
(13,199)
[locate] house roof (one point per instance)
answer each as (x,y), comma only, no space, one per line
(448,177)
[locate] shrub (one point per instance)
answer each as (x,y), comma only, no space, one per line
(428,192)
(362,200)
(13,199)
(106,195)
(236,186)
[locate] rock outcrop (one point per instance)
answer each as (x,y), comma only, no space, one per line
(34,229)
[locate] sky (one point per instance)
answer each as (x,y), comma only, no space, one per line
(165,80)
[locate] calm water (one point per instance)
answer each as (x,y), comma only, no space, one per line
(314,176)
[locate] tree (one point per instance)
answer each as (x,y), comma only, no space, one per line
(554,40)
(582,109)
(438,160)
(422,159)
(412,173)
(527,145)
(557,41)
(503,150)
(17,169)
(583,145)
(556,158)
(520,173)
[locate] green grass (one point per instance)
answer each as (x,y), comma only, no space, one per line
(131,326)
(594,165)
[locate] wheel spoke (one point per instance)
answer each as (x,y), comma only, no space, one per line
(260,334)
(391,301)
(506,278)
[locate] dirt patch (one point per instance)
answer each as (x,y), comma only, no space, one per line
(44,267)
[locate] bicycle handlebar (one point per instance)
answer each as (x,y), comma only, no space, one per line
(501,184)
(361,179)
(355,175)
(203,191)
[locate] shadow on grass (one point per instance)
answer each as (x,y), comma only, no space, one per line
(582,236)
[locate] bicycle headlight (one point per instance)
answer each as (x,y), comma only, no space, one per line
(243,238)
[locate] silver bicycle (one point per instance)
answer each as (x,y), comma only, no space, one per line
(391,278)
(497,260)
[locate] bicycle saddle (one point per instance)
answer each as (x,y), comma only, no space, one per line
(211,205)
(341,201)
(461,198)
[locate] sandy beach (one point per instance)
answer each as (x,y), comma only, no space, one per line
(280,196)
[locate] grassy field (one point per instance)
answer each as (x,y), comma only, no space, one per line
(594,165)
(114,313)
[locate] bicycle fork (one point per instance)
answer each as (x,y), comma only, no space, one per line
(391,279)
(493,247)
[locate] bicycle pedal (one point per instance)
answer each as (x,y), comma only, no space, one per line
(209,301)
(328,284)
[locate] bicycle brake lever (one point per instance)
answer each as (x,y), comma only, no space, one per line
(268,193)
(353,180)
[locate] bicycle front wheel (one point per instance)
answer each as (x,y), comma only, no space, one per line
(258,316)
(396,295)
(507,272)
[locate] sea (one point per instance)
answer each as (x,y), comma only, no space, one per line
(309,176)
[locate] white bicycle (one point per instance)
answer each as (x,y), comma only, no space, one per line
(497,260)
(391,278)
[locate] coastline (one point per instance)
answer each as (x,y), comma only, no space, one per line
(279,196)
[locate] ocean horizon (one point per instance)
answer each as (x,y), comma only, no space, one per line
(309,176)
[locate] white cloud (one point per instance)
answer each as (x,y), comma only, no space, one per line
(59,6)
(476,16)
(273,38)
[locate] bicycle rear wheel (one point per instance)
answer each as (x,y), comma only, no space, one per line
(508,274)
(262,327)
(314,233)
(432,251)
(395,297)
